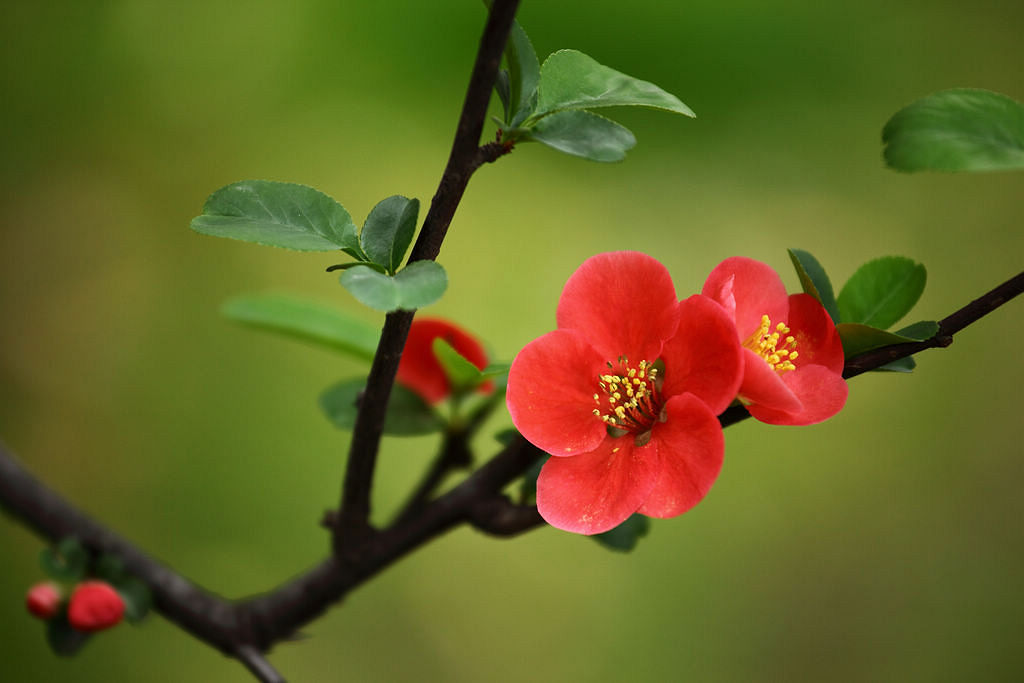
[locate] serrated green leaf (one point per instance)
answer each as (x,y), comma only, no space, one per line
(882,291)
(408,414)
(137,598)
(814,280)
(625,536)
(583,134)
(62,638)
(67,561)
(859,338)
(305,319)
(275,214)
(957,130)
(502,87)
(388,231)
(524,75)
(571,80)
(417,285)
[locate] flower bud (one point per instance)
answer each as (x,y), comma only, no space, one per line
(43,600)
(94,606)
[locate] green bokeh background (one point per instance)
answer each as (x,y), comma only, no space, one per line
(883,545)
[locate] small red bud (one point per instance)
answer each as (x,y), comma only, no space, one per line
(43,600)
(94,606)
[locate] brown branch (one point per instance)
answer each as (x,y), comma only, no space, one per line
(353,526)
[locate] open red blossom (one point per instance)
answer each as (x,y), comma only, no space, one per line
(793,357)
(624,395)
(421,371)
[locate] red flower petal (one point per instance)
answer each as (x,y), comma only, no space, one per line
(764,386)
(703,358)
(419,368)
(817,340)
(624,302)
(822,393)
(752,287)
(594,492)
(551,387)
(690,449)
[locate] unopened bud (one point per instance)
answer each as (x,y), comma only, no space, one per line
(43,600)
(94,606)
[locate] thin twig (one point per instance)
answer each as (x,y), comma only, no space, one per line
(258,665)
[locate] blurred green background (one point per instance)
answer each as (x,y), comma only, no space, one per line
(883,545)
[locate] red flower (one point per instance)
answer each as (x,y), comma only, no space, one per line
(793,357)
(624,395)
(43,600)
(94,606)
(421,371)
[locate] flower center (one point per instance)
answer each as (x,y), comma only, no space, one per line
(629,399)
(777,348)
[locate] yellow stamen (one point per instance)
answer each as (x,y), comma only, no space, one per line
(766,344)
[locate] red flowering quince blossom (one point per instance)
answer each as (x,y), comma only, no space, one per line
(793,356)
(624,395)
(419,368)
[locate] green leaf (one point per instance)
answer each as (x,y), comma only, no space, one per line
(583,134)
(417,285)
(625,536)
(528,486)
(461,373)
(502,87)
(858,338)
(137,599)
(279,215)
(919,331)
(523,75)
(882,291)
(408,414)
(902,365)
(67,561)
(388,231)
(957,130)
(495,369)
(110,568)
(572,80)
(305,319)
(62,639)
(815,281)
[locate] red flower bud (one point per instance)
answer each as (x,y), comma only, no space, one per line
(421,371)
(94,606)
(43,600)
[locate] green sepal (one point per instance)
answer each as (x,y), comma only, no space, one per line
(286,215)
(110,568)
(305,319)
(64,640)
(67,561)
(962,129)
(408,414)
(625,536)
(417,285)
(814,280)
(388,231)
(882,291)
